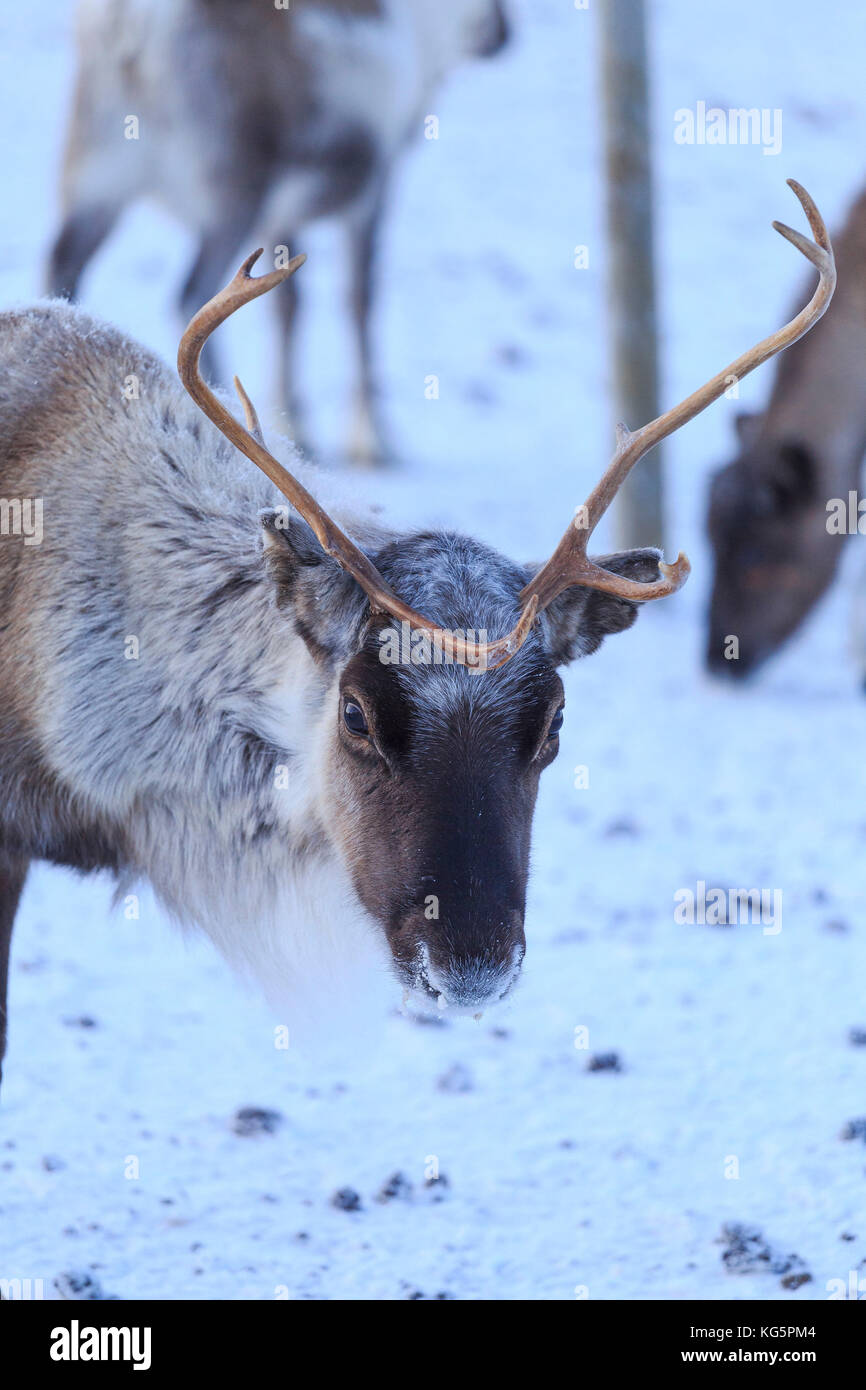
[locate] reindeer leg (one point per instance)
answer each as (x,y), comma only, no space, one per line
(12,875)
(288,400)
(367,445)
(96,185)
(83,232)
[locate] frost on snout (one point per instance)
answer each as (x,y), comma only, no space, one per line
(466,984)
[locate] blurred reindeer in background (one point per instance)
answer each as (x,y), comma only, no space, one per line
(255,115)
(776,552)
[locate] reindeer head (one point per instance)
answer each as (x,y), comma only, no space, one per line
(429,768)
(774,556)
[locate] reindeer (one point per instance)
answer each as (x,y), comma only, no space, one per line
(278,782)
(775,553)
(242,113)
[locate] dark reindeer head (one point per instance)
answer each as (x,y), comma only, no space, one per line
(432,766)
(774,556)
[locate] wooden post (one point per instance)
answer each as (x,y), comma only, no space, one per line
(630,258)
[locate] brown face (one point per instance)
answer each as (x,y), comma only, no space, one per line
(431,771)
(434,777)
(774,557)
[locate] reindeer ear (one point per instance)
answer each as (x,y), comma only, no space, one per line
(580,619)
(287,542)
(325,603)
(793,477)
(747,423)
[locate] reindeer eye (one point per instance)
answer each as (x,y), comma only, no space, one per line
(556,723)
(353,718)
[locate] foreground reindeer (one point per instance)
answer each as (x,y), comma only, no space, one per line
(183,701)
(775,555)
(252,115)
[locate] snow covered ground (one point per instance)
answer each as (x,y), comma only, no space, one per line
(736,1070)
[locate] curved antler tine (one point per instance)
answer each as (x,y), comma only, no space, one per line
(250,416)
(677,573)
(816,221)
(241,289)
(819,251)
(673,577)
(816,254)
(251,286)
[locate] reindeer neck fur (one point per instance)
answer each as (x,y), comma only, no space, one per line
(200,752)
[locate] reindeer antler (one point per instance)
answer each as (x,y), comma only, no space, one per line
(569,563)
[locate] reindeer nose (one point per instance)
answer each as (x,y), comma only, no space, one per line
(475,975)
(472,982)
(728,668)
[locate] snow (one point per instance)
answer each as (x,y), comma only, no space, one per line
(732,1043)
